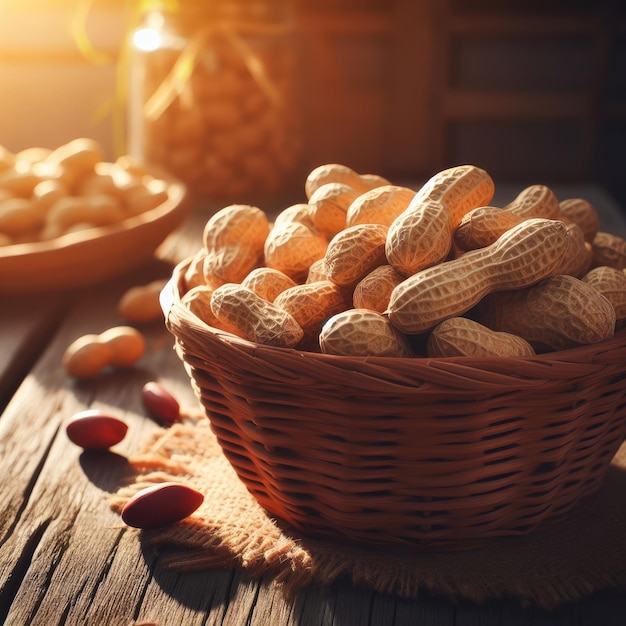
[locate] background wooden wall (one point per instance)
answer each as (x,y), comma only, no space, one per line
(531,90)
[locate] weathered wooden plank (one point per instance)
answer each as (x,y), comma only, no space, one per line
(26,322)
(272,606)
(383,609)
(55,497)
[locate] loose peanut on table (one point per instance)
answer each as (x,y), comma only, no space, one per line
(160,403)
(141,303)
(87,356)
(95,430)
(160,505)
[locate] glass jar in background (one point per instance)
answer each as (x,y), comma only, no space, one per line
(213,96)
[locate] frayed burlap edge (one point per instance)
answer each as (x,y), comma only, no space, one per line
(561,563)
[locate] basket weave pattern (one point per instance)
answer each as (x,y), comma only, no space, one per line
(408,451)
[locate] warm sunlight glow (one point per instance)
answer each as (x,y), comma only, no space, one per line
(147,39)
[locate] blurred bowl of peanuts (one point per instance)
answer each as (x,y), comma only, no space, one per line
(70,218)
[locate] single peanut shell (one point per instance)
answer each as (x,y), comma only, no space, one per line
(338,173)
(86,356)
(419,237)
(482,226)
(461,336)
(557,313)
(236,224)
(229,264)
(354,252)
(609,249)
(292,248)
(361,332)
(194,274)
(296,213)
(374,290)
(583,213)
(460,189)
(380,205)
(126,344)
(579,256)
(256,319)
(267,282)
(611,283)
(198,301)
(329,205)
(317,271)
(311,304)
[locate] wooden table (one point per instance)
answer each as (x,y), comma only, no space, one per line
(65,556)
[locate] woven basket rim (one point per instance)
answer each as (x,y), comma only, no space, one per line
(598,353)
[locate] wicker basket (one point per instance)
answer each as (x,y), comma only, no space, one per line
(420,452)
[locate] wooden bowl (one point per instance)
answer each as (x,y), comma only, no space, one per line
(93,255)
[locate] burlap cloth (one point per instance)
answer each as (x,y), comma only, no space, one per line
(561,562)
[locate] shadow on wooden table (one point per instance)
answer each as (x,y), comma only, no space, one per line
(594,532)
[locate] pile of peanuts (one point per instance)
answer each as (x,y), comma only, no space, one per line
(225,136)
(368,268)
(46,193)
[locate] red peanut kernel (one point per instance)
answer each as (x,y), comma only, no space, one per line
(93,430)
(160,403)
(161,505)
